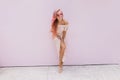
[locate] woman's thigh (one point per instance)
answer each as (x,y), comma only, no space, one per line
(62,44)
(57,43)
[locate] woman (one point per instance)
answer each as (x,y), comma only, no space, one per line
(59,28)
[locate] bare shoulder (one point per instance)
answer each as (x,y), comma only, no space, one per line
(66,22)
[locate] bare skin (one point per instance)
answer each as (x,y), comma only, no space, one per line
(61,52)
(62,42)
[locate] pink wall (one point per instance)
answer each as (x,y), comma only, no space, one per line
(93,36)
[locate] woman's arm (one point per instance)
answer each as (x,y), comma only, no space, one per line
(64,35)
(64,32)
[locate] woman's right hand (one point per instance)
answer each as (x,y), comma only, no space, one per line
(59,37)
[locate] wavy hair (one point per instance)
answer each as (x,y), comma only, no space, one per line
(54,23)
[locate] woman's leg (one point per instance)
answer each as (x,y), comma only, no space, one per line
(61,54)
(63,47)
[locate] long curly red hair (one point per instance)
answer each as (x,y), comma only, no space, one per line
(54,23)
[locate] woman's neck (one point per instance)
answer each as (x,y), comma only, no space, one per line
(61,22)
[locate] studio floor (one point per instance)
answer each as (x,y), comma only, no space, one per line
(83,72)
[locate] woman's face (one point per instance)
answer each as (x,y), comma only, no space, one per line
(60,15)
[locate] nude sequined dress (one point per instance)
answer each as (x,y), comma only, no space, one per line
(60,29)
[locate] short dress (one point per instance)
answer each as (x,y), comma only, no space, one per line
(60,30)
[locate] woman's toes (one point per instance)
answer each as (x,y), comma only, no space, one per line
(60,70)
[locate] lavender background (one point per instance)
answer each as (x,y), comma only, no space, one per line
(93,36)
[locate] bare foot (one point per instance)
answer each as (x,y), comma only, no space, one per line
(60,69)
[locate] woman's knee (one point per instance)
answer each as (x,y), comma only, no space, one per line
(63,45)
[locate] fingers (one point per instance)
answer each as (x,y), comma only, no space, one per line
(59,37)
